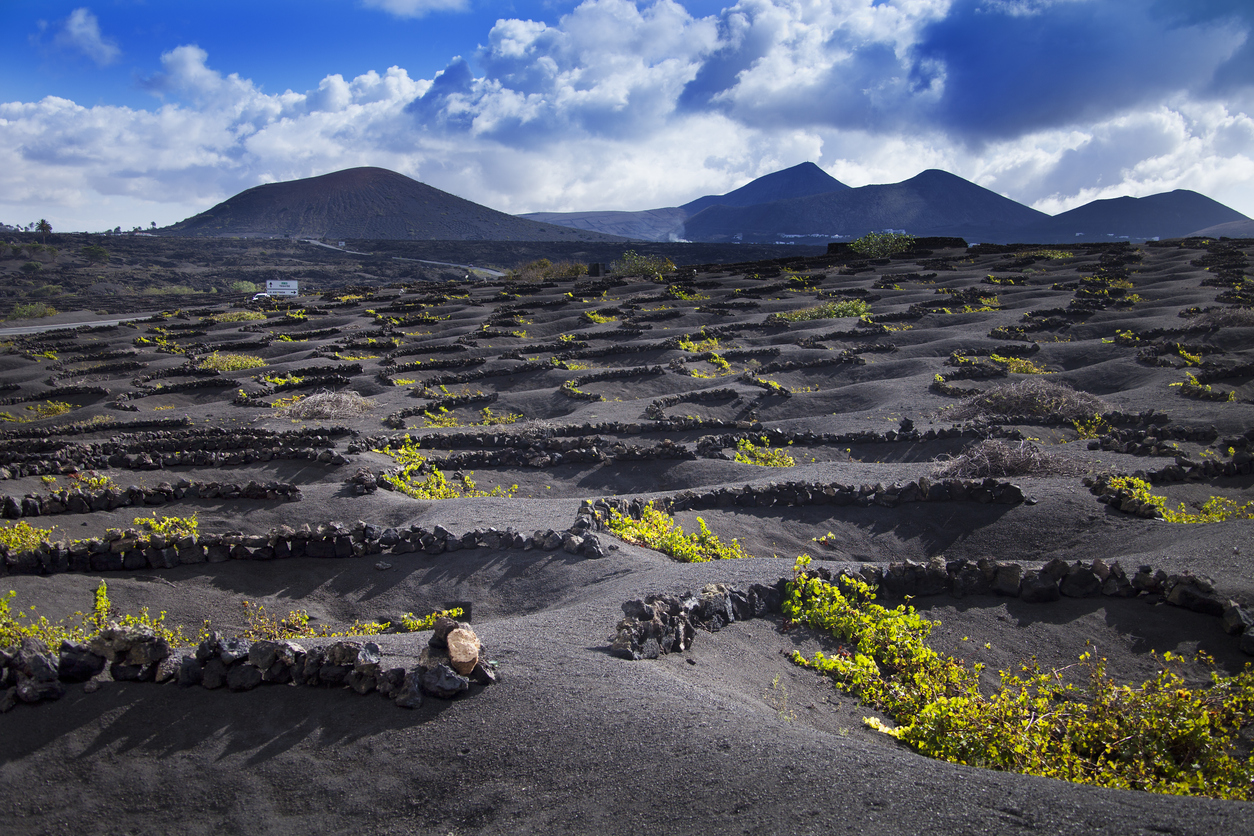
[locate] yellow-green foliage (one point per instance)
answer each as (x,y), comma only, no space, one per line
(280,379)
(674,291)
(724,368)
(1018,365)
(412,624)
(764,456)
(707,343)
(1194,388)
(50,409)
(444,417)
(21,536)
(420,481)
(295,625)
(827,310)
(490,418)
(79,627)
(239,316)
(170,527)
(882,244)
(598,319)
(1161,736)
(230,362)
(1215,509)
(93,481)
(658,530)
(1093,427)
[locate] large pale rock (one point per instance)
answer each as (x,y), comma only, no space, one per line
(463,649)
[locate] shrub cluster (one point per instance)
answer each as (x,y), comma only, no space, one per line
(1160,736)
(658,530)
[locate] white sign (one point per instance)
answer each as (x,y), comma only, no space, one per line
(281,287)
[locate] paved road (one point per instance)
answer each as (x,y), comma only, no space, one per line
(470,267)
(36,329)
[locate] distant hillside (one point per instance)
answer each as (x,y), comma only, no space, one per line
(1232,229)
(931,203)
(370,203)
(649,225)
(667,224)
(799,181)
(1168,215)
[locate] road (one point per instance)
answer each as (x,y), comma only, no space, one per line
(487,271)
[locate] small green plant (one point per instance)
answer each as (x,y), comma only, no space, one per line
(171,528)
(658,530)
(882,244)
(488,418)
(48,409)
(412,624)
(633,263)
(1092,427)
(835,309)
(1191,387)
(442,417)
(417,479)
(32,310)
(1017,365)
(674,291)
(243,287)
(79,627)
(22,536)
(707,343)
(95,254)
(238,316)
(230,362)
(598,319)
(764,456)
(93,481)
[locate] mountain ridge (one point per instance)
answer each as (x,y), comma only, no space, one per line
(365,203)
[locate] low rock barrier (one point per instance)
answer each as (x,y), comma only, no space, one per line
(133,550)
(779,494)
(662,624)
(450,664)
(79,501)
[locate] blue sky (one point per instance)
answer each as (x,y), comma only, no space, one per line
(123,112)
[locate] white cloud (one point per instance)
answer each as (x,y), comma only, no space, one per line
(81,32)
(416,8)
(616,105)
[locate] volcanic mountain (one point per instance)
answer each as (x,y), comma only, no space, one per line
(803,204)
(371,203)
(931,203)
(667,224)
(1173,214)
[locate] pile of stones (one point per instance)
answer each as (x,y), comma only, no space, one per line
(449,665)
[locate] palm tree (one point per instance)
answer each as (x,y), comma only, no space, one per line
(44,229)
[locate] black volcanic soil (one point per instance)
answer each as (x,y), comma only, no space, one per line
(144,273)
(727,737)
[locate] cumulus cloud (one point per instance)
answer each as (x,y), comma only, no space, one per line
(416,8)
(635,105)
(81,32)
(1012,68)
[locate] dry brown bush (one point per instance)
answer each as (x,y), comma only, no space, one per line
(326,404)
(1033,396)
(999,458)
(1226,317)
